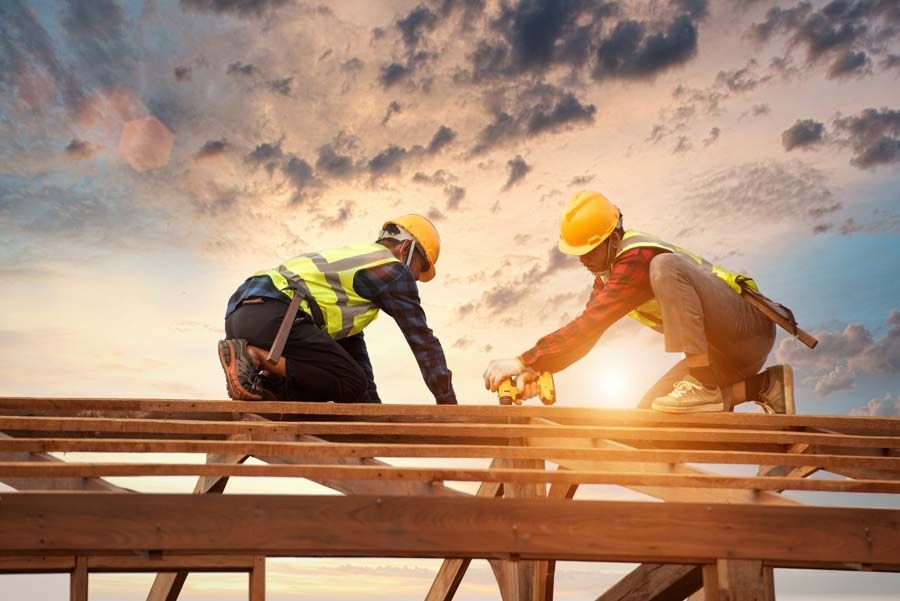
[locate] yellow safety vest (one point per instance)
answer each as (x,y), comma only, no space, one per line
(327,277)
(649,313)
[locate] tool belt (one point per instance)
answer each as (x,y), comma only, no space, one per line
(777,312)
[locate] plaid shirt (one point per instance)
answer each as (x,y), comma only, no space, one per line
(626,288)
(392,289)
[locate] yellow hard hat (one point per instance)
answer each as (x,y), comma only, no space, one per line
(426,236)
(588,219)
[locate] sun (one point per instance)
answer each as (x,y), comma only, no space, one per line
(613,389)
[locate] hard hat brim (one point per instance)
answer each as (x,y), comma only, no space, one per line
(428,274)
(577,251)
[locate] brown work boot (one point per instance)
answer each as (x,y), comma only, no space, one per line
(690,396)
(242,375)
(777,396)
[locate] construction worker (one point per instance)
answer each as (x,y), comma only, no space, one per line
(695,304)
(342,291)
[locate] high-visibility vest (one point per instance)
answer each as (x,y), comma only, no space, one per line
(649,313)
(327,277)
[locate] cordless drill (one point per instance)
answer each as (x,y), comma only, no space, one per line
(509,393)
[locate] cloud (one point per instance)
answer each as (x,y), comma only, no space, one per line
(299,174)
(267,154)
(388,160)
(841,356)
(538,110)
(393,74)
(682,145)
(713,136)
(392,109)
(463,343)
(234,8)
(455,195)
(343,215)
(435,214)
(80,150)
(239,68)
(891,61)
(281,86)
(632,52)
(743,79)
(330,162)
(759,110)
(182,73)
(441,138)
(414,24)
(887,406)
(874,136)
(850,64)
(212,148)
(517,169)
(581,180)
(805,133)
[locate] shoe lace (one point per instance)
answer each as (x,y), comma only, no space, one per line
(683,388)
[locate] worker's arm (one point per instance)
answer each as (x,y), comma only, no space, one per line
(627,287)
(356,347)
(392,288)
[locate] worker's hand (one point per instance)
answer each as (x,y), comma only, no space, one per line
(499,370)
(528,385)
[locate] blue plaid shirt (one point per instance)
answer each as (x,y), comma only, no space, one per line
(392,289)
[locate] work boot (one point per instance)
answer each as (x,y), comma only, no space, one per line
(690,396)
(242,375)
(777,396)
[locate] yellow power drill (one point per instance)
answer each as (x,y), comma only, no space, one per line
(509,394)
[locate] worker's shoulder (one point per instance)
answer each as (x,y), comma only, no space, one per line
(390,275)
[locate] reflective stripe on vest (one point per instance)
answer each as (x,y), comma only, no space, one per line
(327,277)
(649,313)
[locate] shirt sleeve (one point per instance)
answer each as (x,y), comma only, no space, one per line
(393,290)
(627,287)
(356,347)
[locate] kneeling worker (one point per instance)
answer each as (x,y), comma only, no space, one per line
(342,290)
(695,304)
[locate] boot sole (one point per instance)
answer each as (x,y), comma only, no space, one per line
(711,408)
(235,391)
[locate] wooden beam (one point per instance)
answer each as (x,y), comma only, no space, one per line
(39,564)
(560,413)
(546,571)
(78,581)
(738,580)
(301,526)
(18,448)
(258,579)
(411,474)
(195,427)
(656,582)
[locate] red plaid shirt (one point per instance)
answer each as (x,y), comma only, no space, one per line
(627,287)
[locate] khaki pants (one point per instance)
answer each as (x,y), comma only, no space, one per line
(703,314)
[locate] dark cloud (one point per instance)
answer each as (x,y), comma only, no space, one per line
(239,68)
(234,8)
(841,30)
(713,136)
(462,343)
(539,109)
(682,145)
(632,52)
(440,177)
(342,216)
(182,73)
(455,195)
(517,169)
(299,174)
(805,133)
(352,65)
(392,109)
(874,136)
(96,35)
(841,356)
(80,150)
(413,25)
(212,148)
(267,155)
(850,64)
(891,61)
(435,214)
(393,74)
(760,110)
(441,138)
(281,86)
(743,79)
(581,180)
(332,163)
(388,160)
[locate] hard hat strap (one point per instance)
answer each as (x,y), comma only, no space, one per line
(409,255)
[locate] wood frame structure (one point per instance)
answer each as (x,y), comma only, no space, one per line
(715,535)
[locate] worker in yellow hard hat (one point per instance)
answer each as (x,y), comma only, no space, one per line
(341,291)
(695,304)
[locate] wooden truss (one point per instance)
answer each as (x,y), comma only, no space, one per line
(715,536)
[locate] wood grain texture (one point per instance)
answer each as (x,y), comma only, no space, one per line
(94,523)
(656,582)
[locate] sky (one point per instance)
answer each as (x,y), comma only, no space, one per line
(153,154)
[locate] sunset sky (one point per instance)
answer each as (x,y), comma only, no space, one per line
(762,135)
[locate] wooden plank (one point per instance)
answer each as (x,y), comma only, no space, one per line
(156,562)
(300,526)
(738,580)
(21,446)
(656,582)
(78,581)
(258,579)
(41,564)
(546,571)
(751,437)
(886,426)
(413,474)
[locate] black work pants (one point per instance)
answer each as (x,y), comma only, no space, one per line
(318,368)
